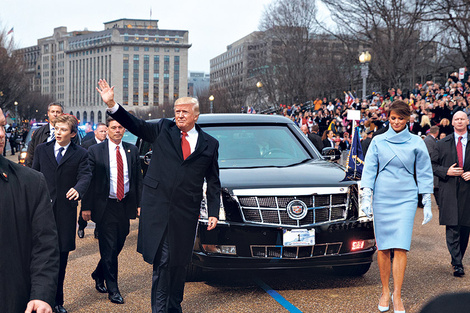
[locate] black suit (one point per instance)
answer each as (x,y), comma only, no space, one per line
(454,197)
(88,136)
(88,143)
(171,199)
(316,140)
(29,262)
(111,216)
(82,224)
(416,128)
(72,172)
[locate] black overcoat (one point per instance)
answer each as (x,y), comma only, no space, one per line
(73,171)
(454,192)
(29,262)
(97,195)
(172,188)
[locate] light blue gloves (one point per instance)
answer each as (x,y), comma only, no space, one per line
(427,208)
(366,201)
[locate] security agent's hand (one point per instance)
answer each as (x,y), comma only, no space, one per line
(212,223)
(86,215)
(427,208)
(38,306)
(106,92)
(465,176)
(72,194)
(454,170)
(366,201)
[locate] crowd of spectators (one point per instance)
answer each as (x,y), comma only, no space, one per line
(431,103)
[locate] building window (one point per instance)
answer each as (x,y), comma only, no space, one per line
(126,48)
(136,48)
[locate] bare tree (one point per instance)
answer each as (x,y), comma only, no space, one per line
(284,60)
(399,34)
(454,21)
(13,81)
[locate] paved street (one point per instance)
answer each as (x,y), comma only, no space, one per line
(319,290)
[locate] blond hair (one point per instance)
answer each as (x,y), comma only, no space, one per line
(188,100)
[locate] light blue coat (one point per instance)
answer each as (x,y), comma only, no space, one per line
(397,168)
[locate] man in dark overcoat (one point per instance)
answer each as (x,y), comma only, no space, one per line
(29,262)
(111,211)
(65,167)
(431,144)
(184,157)
(451,163)
(44,133)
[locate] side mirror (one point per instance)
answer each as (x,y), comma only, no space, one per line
(147,157)
(331,154)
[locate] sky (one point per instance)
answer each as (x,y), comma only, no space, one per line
(212,24)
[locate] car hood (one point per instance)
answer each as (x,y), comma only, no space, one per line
(315,173)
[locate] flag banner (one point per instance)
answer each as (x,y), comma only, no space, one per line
(10,31)
(355,161)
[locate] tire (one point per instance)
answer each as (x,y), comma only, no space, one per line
(352,270)
(193,272)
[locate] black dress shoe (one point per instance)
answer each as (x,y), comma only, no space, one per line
(59,309)
(458,270)
(115,297)
(99,283)
(81,233)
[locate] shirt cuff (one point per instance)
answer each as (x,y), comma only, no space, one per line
(113,109)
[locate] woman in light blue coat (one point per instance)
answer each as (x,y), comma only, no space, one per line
(397,168)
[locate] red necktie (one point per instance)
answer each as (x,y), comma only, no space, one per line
(185,145)
(460,152)
(120,175)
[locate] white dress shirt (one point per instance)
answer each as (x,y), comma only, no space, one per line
(113,169)
(57,147)
(51,133)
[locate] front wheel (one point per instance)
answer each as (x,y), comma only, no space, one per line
(352,270)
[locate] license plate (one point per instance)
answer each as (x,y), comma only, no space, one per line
(298,237)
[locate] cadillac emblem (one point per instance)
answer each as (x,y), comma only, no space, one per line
(297,209)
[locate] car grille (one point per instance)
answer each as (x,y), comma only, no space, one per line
(281,252)
(272,210)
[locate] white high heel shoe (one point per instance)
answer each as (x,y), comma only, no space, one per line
(383,308)
(395,311)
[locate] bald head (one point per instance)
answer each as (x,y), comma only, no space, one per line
(304,129)
(460,122)
(3,122)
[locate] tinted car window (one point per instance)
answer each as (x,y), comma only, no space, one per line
(257,146)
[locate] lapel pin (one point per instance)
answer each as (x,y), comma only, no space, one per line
(129,151)
(5,175)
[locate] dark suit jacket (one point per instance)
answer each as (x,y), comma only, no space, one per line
(73,171)
(431,145)
(88,136)
(454,192)
(172,187)
(97,195)
(29,262)
(416,128)
(88,143)
(316,140)
(327,144)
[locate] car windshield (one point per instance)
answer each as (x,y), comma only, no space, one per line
(257,146)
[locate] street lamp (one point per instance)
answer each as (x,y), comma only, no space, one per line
(211,99)
(259,85)
(16,113)
(364,58)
